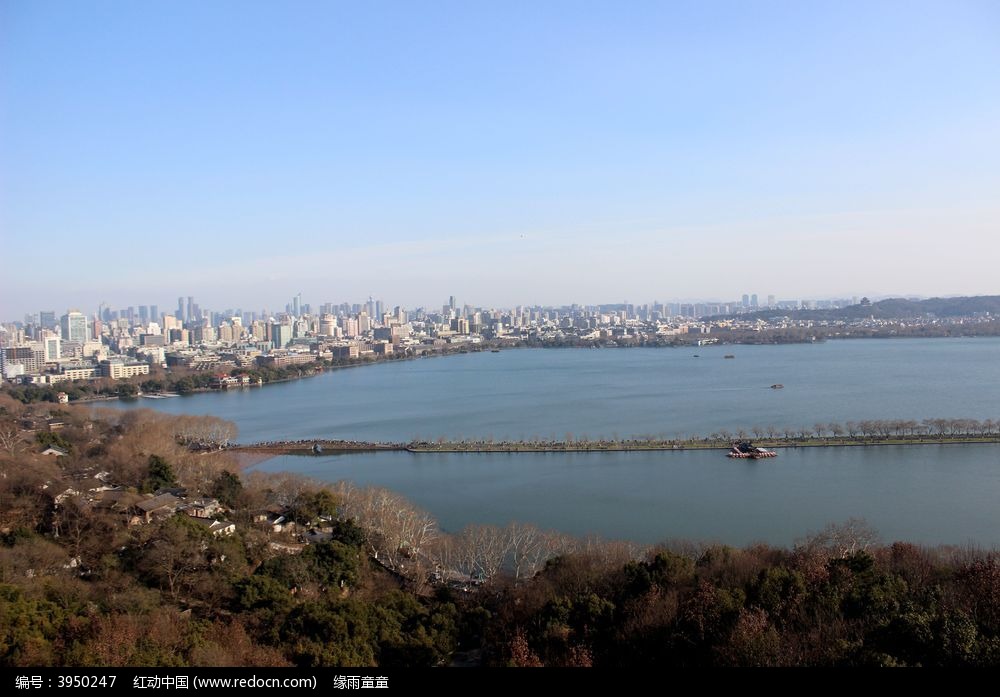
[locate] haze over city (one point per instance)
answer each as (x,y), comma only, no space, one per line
(242,152)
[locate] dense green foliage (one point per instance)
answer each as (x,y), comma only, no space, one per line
(899,605)
(161,474)
(53,439)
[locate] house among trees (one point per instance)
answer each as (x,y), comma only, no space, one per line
(223,381)
(202,508)
(116,500)
(162,506)
(275,518)
(218,528)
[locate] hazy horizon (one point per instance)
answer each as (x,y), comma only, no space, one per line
(276,305)
(245,152)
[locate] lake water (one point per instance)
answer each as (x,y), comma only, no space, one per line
(626,392)
(928,494)
(932,494)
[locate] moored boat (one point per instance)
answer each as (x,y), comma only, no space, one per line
(747,450)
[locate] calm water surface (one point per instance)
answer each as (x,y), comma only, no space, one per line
(624,392)
(927,494)
(947,494)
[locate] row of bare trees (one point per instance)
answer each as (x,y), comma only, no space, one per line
(872,428)
(407,540)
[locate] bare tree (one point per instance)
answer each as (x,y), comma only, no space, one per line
(528,549)
(842,539)
(10,437)
(612,552)
(483,551)
(204,430)
(394,528)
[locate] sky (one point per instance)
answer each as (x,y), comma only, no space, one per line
(505,153)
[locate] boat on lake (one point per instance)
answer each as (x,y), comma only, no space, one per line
(744,449)
(777,386)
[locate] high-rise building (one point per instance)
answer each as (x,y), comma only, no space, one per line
(451,302)
(143,314)
(746,301)
(190,309)
(281,335)
(47,319)
(753,301)
(351,326)
(52,348)
(74,326)
(154,313)
(180,309)
(328,325)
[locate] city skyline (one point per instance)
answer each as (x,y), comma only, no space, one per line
(553,155)
(190,307)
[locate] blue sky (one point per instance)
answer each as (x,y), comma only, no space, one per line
(502,152)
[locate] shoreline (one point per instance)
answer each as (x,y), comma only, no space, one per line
(487,347)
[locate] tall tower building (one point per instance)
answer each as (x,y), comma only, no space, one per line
(281,334)
(74,326)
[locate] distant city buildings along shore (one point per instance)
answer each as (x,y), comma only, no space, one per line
(126,342)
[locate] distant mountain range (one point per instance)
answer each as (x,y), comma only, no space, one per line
(894,308)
